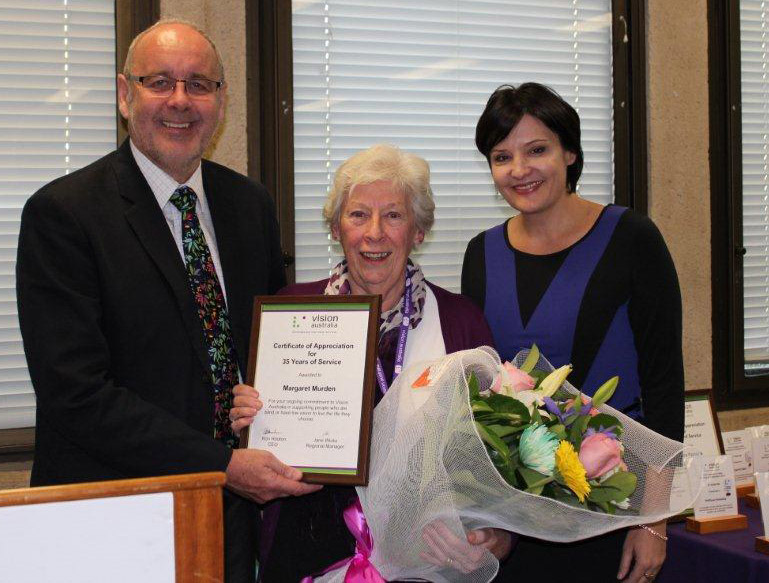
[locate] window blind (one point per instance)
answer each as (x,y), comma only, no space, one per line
(754,51)
(57,113)
(417,75)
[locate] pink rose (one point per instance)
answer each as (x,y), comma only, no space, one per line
(599,453)
(512,380)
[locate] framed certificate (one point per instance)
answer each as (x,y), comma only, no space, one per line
(313,362)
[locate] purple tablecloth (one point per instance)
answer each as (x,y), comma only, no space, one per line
(728,557)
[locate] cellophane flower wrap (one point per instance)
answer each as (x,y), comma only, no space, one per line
(429,462)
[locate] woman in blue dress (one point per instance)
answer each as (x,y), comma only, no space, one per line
(591,285)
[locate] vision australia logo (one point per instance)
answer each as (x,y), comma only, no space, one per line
(314,321)
(324,321)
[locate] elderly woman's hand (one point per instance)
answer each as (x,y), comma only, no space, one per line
(645,552)
(466,555)
(497,541)
(245,405)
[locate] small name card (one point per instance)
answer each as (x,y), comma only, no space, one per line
(737,445)
(718,496)
(762,489)
(701,439)
(760,451)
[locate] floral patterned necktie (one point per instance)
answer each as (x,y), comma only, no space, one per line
(212,312)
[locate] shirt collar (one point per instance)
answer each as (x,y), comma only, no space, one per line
(161,184)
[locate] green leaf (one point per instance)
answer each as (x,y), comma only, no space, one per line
(533,478)
(605,493)
(531,360)
(474,386)
(493,440)
(507,471)
(535,416)
(607,422)
(511,419)
(503,430)
(505,404)
(538,376)
(515,418)
(559,430)
(480,407)
(605,506)
(505,466)
(578,404)
(577,430)
(605,392)
(625,482)
(563,494)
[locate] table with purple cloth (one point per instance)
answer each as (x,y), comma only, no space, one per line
(727,557)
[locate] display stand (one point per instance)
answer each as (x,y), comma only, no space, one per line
(717,524)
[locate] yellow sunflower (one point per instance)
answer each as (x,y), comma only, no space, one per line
(572,470)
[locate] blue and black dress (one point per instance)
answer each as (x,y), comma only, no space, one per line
(609,304)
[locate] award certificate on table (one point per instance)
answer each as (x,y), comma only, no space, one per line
(702,436)
(313,362)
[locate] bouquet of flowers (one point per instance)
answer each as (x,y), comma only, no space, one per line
(546,441)
(471,443)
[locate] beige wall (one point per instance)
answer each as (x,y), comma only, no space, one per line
(679,174)
(679,187)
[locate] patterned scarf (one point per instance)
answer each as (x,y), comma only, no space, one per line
(339,284)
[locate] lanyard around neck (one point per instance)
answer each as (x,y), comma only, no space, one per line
(403,334)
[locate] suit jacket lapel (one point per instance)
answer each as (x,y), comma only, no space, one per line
(147,221)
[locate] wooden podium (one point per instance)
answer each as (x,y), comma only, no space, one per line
(198,536)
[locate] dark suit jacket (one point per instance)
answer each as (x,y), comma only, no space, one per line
(111,333)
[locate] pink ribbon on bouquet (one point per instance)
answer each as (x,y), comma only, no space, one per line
(360,569)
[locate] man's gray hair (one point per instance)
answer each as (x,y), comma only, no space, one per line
(129,56)
(407,172)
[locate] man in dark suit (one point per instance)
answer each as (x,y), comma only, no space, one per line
(126,297)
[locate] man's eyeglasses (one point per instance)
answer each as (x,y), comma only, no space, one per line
(164,86)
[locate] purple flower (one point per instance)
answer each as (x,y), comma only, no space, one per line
(553,408)
(607,432)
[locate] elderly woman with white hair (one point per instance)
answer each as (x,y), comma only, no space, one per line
(379,209)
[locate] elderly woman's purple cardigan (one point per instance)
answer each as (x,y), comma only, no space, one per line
(463,327)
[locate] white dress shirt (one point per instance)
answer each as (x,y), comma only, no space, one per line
(163,186)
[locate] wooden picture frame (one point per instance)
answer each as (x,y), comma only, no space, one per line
(346,328)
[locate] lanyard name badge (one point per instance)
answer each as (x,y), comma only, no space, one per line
(403,333)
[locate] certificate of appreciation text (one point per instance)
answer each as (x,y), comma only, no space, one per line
(313,368)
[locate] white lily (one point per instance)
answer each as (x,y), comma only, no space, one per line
(529,398)
(552,382)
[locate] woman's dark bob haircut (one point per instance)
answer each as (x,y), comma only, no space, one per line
(508,104)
